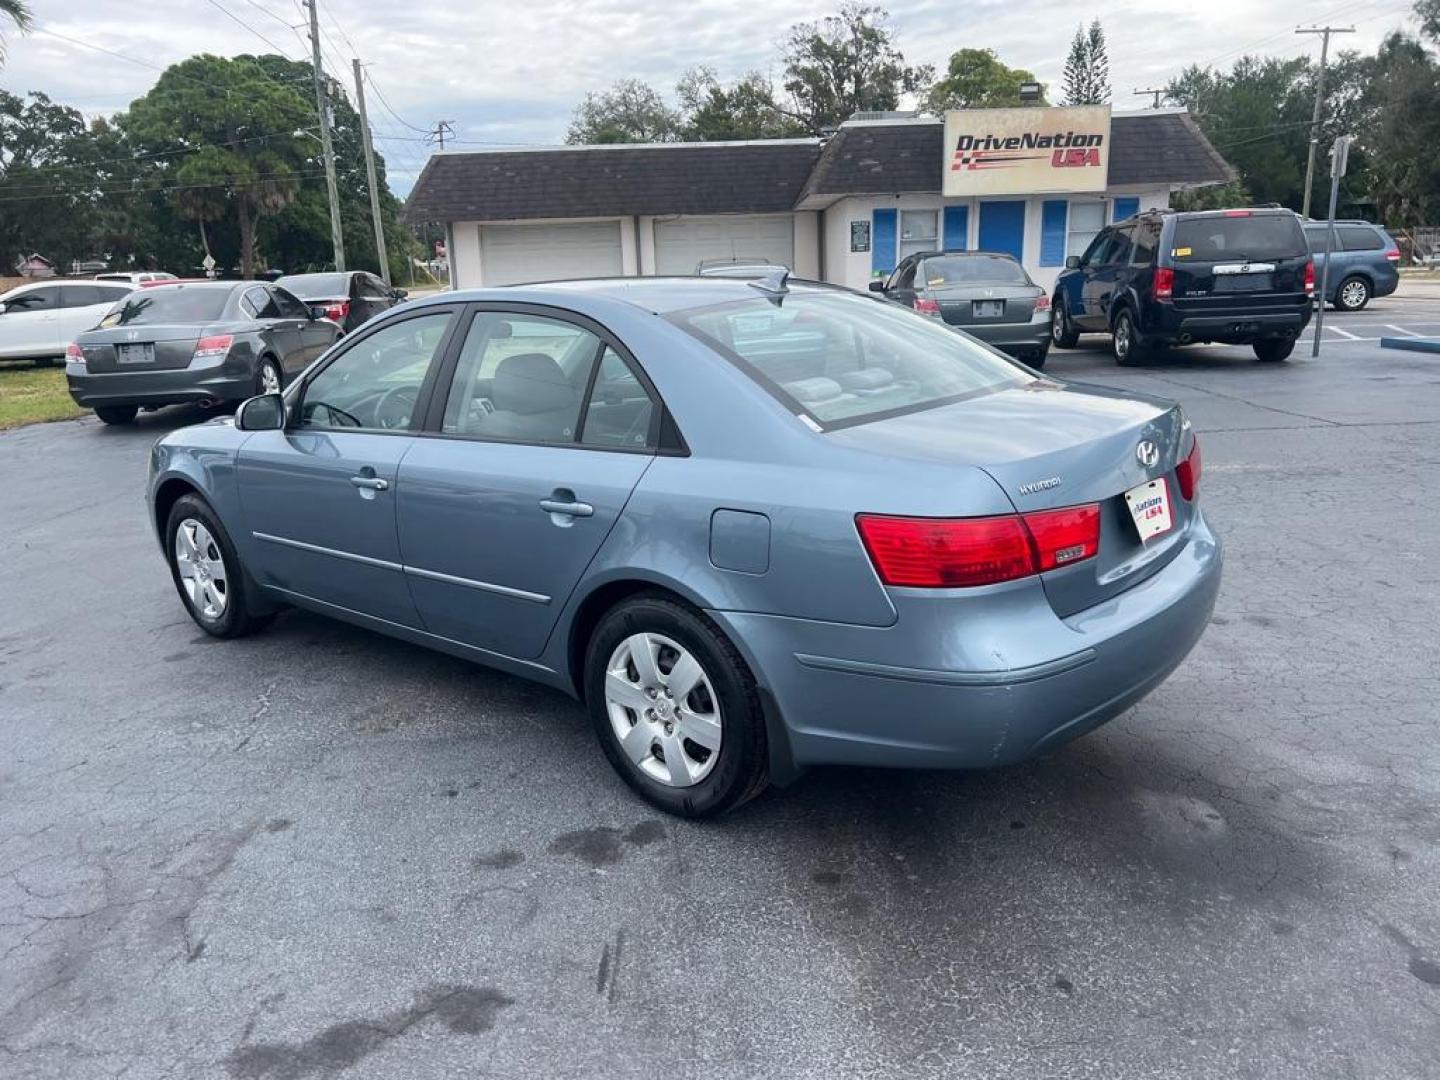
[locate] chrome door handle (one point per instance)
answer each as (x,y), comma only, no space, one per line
(571,509)
(374,483)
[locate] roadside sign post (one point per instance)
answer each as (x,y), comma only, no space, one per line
(1339,159)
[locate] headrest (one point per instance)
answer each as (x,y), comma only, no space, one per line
(529,383)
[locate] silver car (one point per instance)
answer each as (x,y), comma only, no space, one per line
(754,525)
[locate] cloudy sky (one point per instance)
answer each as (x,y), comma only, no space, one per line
(511,73)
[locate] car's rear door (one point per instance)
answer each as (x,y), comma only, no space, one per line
(1238,261)
(1102,276)
(319,497)
(316,335)
(530,454)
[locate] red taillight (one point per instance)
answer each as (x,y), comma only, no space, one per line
(1064,536)
(213,346)
(927,307)
(1042,303)
(336,312)
(74,354)
(965,552)
(1393,255)
(1310,278)
(1187,473)
(1164,282)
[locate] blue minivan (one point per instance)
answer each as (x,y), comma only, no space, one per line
(1365,263)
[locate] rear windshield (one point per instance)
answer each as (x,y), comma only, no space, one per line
(974,269)
(317,286)
(161,305)
(1248,236)
(843,359)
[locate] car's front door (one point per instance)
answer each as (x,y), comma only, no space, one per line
(319,497)
(543,434)
(30,324)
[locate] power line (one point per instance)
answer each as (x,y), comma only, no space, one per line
(1325,32)
(241,22)
(386,105)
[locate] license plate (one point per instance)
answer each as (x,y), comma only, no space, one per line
(988,309)
(1150,507)
(135,354)
(1242,283)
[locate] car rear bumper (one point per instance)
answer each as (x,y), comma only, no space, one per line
(1234,325)
(1013,338)
(218,381)
(845,700)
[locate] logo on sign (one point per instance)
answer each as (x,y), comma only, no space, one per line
(1147,453)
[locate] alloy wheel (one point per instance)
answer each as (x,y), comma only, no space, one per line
(663,709)
(202,569)
(1122,337)
(1057,324)
(269,378)
(1353,295)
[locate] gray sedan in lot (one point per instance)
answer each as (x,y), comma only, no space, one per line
(205,342)
(986,294)
(754,525)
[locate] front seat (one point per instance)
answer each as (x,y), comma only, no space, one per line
(533,400)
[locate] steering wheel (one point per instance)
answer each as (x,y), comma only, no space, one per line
(395,406)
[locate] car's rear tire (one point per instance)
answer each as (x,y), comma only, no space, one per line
(1273,350)
(710,732)
(1037,358)
(1129,347)
(1353,294)
(117,414)
(269,379)
(1062,331)
(207,571)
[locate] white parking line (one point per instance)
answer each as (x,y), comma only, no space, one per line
(1344,333)
(1401,330)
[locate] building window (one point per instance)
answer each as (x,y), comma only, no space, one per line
(1086,219)
(919,231)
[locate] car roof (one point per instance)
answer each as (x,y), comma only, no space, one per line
(319,273)
(217,285)
(656,294)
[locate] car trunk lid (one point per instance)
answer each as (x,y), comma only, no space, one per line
(976,305)
(1050,446)
(141,348)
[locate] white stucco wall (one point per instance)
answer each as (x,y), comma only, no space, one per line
(465,268)
(807,244)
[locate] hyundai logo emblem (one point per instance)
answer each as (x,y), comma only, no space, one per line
(1147,453)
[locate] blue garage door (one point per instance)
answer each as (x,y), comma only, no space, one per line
(1002,227)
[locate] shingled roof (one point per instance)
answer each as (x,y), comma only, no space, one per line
(876,158)
(605,181)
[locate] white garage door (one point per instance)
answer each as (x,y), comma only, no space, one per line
(680,244)
(513,254)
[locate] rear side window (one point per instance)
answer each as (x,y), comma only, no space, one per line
(1225,238)
(620,411)
(174,305)
(845,359)
(1147,239)
(1359,238)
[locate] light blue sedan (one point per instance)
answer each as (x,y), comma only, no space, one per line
(754,525)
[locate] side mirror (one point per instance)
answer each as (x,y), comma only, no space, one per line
(877,286)
(1072,262)
(401,294)
(317,313)
(263,413)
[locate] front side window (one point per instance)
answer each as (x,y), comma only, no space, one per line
(35,300)
(919,231)
(845,359)
(374,385)
(1086,219)
(520,377)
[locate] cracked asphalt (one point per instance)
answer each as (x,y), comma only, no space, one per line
(318,852)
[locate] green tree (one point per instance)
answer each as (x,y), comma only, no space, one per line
(629,112)
(977,79)
(746,109)
(1402,110)
(228,139)
(844,64)
(17,12)
(1086,80)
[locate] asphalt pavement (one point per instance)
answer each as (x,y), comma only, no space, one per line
(319,852)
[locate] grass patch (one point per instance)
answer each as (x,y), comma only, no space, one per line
(31,395)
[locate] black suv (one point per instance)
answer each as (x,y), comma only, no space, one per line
(1168,277)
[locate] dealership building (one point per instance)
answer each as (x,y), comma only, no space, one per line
(1037,183)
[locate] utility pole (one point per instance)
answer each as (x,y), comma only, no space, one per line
(327,148)
(441,129)
(370,172)
(1324,32)
(1149,90)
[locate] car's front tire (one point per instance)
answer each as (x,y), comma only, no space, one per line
(1353,294)
(675,707)
(1062,331)
(207,571)
(117,414)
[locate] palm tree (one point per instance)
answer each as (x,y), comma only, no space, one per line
(18,12)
